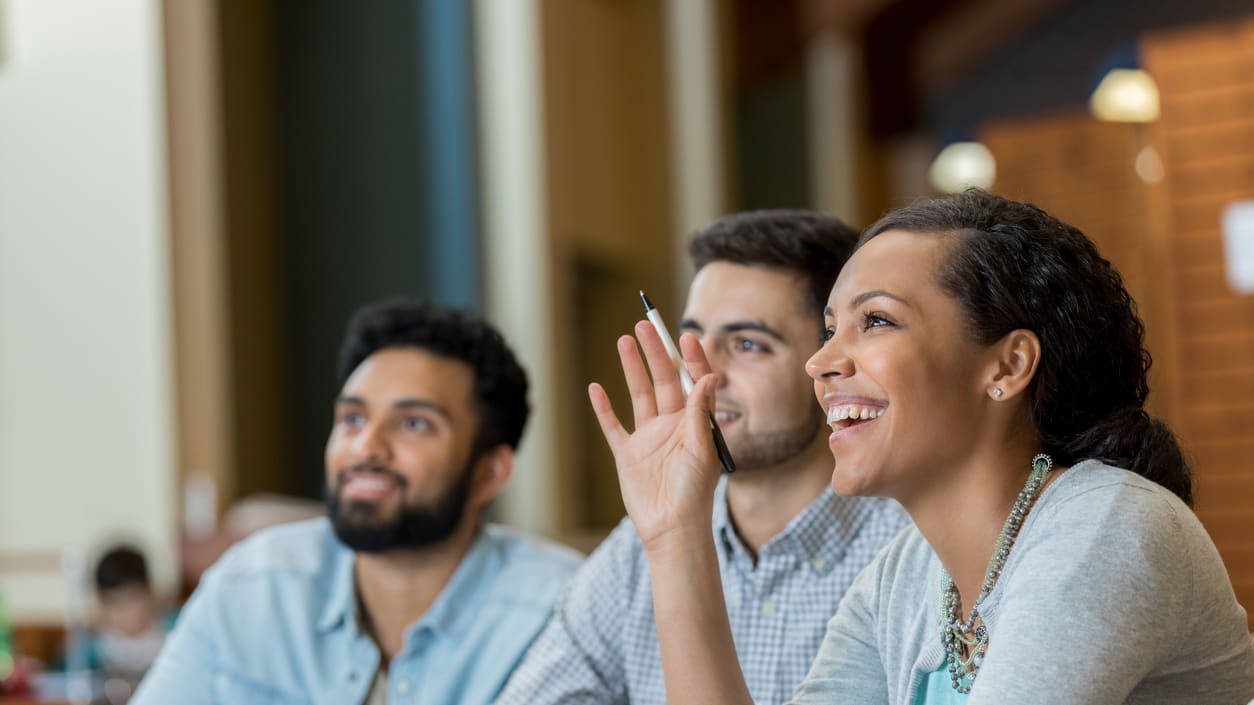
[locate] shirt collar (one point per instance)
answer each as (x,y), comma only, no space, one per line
(458,603)
(820,533)
(341,604)
(825,528)
(452,609)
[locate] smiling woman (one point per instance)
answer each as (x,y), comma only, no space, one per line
(1012,267)
(968,340)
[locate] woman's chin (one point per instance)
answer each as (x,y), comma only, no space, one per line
(848,482)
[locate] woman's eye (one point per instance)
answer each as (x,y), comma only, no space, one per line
(828,334)
(874,320)
(353,420)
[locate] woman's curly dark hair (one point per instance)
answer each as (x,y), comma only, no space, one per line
(500,383)
(1014,266)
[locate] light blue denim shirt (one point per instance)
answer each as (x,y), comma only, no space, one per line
(275,623)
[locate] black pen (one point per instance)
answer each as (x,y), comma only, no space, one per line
(685,379)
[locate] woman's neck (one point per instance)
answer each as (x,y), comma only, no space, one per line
(963,512)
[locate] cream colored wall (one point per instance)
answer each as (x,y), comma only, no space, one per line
(695,115)
(86,450)
(516,239)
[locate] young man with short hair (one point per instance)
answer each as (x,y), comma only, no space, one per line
(788,546)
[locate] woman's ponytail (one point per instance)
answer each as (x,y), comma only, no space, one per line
(1132,439)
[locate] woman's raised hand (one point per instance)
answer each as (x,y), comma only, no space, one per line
(667,467)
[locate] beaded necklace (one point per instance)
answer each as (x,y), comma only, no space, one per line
(960,636)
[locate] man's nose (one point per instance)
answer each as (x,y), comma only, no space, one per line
(370,444)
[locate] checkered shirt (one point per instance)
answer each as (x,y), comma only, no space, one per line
(601,644)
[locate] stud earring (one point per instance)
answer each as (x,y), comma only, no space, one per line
(997,392)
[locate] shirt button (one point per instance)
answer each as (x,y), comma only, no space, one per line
(402,687)
(768,608)
(818,563)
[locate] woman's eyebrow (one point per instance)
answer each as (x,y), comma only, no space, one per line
(873,294)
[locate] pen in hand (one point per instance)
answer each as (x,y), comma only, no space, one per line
(685,379)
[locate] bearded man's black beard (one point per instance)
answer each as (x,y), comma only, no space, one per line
(413,526)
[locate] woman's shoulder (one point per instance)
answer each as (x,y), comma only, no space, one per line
(1092,488)
(1119,552)
(1101,523)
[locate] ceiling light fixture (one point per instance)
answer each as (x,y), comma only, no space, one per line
(963,165)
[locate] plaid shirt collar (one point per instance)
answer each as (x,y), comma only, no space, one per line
(819,535)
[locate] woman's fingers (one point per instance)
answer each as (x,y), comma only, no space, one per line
(667,389)
(694,356)
(610,426)
(643,401)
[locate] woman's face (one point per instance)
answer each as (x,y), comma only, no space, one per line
(902,383)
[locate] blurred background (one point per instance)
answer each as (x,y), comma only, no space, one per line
(195,194)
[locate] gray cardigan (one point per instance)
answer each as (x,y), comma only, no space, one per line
(1113,593)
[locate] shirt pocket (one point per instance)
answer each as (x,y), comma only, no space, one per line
(230,689)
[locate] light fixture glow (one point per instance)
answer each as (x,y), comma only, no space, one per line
(1149,166)
(962,165)
(1126,95)
(1238,223)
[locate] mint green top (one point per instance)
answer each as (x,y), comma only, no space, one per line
(936,689)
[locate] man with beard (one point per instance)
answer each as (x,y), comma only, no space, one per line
(788,546)
(402,594)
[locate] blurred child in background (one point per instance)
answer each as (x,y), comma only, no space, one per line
(130,629)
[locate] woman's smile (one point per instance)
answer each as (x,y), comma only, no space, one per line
(849,414)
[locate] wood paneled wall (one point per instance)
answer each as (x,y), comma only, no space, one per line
(610,212)
(1206,139)
(1164,236)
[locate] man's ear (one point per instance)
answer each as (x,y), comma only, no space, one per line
(492,472)
(1018,354)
